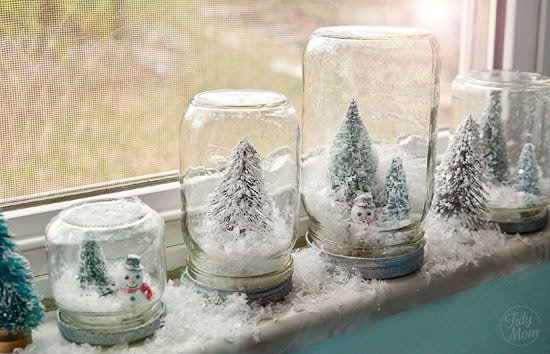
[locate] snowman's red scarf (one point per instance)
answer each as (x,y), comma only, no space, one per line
(144,287)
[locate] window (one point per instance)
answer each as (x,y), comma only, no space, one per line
(92,91)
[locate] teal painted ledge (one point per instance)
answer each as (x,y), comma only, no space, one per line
(508,315)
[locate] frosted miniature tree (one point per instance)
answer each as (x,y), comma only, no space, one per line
(240,200)
(396,194)
(20,307)
(526,178)
(352,164)
(494,143)
(461,189)
(92,269)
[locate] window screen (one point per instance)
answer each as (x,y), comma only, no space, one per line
(91,92)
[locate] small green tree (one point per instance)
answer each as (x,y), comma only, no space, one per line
(352,161)
(92,270)
(526,178)
(20,306)
(396,193)
(460,182)
(494,143)
(240,200)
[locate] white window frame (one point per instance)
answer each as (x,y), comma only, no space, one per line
(506,34)
(28,224)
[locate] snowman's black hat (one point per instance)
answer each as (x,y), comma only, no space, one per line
(132,262)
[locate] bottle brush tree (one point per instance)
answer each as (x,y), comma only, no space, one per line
(494,143)
(526,177)
(20,307)
(461,183)
(396,193)
(240,200)
(352,161)
(92,268)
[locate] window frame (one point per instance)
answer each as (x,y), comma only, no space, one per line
(27,220)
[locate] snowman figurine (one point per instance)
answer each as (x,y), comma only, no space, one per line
(362,216)
(133,285)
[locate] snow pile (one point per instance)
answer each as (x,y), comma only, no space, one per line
(449,245)
(195,318)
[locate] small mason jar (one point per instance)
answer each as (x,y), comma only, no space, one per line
(371,98)
(239,174)
(107,270)
(513,111)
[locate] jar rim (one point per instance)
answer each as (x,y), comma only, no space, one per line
(511,79)
(231,99)
(366,32)
(104,213)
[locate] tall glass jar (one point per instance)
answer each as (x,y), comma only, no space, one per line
(371,98)
(513,111)
(239,173)
(107,270)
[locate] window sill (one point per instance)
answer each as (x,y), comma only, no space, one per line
(314,310)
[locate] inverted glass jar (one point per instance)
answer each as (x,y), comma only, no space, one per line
(239,174)
(371,98)
(513,111)
(107,270)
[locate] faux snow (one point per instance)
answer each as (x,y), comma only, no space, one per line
(197,320)
(449,245)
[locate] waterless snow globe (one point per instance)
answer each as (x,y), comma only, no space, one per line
(240,169)
(370,106)
(107,270)
(513,111)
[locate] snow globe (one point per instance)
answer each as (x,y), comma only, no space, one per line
(107,270)
(239,175)
(371,98)
(512,109)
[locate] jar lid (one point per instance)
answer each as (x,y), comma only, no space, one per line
(104,213)
(239,99)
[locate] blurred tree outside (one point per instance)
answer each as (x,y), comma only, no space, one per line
(93,91)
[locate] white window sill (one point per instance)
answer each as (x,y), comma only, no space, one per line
(314,310)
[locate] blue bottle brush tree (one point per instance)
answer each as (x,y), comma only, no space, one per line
(396,193)
(526,177)
(352,160)
(460,181)
(494,142)
(20,307)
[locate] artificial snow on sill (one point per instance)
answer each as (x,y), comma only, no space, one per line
(325,300)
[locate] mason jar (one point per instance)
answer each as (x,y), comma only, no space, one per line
(107,270)
(370,106)
(513,111)
(239,174)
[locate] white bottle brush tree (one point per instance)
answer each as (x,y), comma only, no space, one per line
(353,163)
(460,181)
(240,201)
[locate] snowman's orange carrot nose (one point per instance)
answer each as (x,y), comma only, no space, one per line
(132,282)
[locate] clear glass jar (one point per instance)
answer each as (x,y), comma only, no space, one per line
(371,98)
(239,174)
(513,111)
(107,270)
